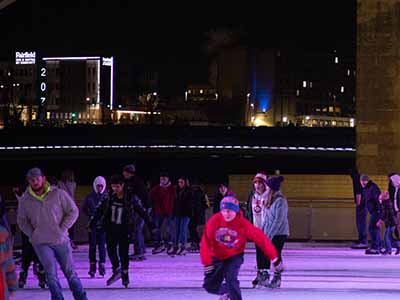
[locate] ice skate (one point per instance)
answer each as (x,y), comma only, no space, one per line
(182,250)
(42,279)
(173,251)
(125,278)
(102,269)
(92,270)
(276,281)
(160,248)
(114,277)
(262,279)
(22,279)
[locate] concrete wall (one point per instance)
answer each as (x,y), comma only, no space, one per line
(321,207)
(378,88)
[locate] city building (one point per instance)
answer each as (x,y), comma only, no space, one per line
(271,87)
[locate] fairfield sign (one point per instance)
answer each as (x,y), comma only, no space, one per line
(25,58)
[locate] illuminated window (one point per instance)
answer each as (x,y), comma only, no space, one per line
(337,109)
(342,89)
(336,60)
(333,123)
(297,93)
(348,72)
(304,84)
(310,84)
(324,109)
(330,108)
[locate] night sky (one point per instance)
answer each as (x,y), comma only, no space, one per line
(157,33)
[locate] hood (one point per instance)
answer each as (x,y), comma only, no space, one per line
(99,180)
(395,180)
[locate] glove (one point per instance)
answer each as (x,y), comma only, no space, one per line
(278,265)
(209,269)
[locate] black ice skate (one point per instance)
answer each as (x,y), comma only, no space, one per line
(125,278)
(114,277)
(160,248)
(173,251)
(261,279)
(92,270)
(182,250)
(22,279)
(276,281)
(42,279)
(102,269)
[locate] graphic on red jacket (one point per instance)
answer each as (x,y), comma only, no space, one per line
(227,236)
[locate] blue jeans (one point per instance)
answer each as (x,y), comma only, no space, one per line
(361,221)
(389,239)
(137,236)
(374,231)
(181,225)
(48,256)
(227,270)
(169,236)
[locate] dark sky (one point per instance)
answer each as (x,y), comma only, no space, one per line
(150,28)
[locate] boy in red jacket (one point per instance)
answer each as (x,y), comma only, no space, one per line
(222,248)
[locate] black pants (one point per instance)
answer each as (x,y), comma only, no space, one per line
(278,241)
(262,260)
(227,269)
(118,248)
(361,221)
(28,255)
(194,235)
(97,238)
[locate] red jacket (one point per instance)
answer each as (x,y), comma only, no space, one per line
(163,199)
(223,239)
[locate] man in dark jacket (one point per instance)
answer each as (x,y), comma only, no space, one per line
(117,213)
(370,195)
(134,185)
(97,236)
(361,212)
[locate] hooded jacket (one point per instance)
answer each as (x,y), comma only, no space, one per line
(276,217)
(370,196)
(46,219)
(94,199)
(222,240)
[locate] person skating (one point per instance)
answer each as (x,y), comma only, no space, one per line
(222,249)
(116,213)
(390,220)
(255,208)
(8,277)
(45,213)
(162,197)
(97,236)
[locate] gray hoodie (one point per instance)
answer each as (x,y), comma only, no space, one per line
(47,221)
(276,217)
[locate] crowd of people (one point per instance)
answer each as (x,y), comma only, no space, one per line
(117,212)
(383,209)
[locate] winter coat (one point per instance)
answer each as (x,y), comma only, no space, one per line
(93,200)
(389,215)
(183,202)
(249,207)
(370,198)
(162,199)
(276,217)
(47,221)
(136,186)
(199,205)
(131,205)
(217,200)
(222,240)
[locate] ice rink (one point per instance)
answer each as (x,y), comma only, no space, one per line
(313,271)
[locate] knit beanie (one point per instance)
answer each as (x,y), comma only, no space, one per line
(274,182)
(231,203)
(260,176)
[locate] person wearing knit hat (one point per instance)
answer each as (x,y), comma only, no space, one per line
(223,191)
(222,249)
(254,213)
(275,223)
